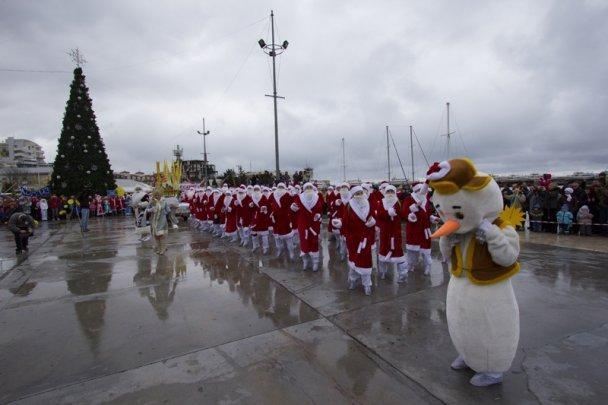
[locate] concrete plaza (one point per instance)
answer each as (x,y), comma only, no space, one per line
(100,318)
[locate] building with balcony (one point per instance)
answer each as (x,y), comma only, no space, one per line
(21,153)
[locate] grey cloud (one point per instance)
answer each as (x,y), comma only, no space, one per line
(526,80)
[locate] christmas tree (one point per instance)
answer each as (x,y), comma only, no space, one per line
(81,162)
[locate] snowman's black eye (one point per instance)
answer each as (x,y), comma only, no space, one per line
(459,215)
(437,206)
(456,207)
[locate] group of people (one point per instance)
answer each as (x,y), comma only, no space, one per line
(360,219)
(63,207)
(571,208)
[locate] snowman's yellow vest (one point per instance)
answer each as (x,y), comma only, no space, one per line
(479,267)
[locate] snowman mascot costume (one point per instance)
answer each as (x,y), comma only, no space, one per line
(481,309)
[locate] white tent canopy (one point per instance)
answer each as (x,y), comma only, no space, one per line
(130,185)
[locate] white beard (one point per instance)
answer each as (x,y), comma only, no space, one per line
(361,208)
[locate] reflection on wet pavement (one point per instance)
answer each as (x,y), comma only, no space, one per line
(213,322)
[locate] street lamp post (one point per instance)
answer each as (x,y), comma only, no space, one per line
(204,134)
(273,49)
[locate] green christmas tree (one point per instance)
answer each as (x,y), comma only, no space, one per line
(81,162)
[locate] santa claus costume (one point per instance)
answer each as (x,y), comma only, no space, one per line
(293,192)
(308,207)
(417,210)
(207,214)
(243,215)
(230,221)
(341,208)
(216,204)
(280,201)
(357,223)
(330,197)
(260,221)
(388,215)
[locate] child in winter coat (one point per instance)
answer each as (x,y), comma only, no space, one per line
(564,220)
(584,219)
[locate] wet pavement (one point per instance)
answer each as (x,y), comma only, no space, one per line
(101,318)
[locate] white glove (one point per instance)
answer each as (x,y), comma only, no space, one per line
(205,202)
(263,210)
(317,218)
(338,202)
(569,198)
(336,223)
(250,205)
(434,219)
(229,209)
(412,217)
(414,208)
(392,212)
(485,225)
(370,222)
(294,207)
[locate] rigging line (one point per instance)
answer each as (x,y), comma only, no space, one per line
(397,153)
(438,134)
(420,146)
(33,71)
(161,59)
(238,72)
(464,147)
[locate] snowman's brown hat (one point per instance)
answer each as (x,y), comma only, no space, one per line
(451,176)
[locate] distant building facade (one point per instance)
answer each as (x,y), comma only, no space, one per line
(194,170)
(137,176)
(21,153)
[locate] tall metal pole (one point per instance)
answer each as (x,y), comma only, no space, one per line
(205,162)
(343,162)
(448,106)
(274,94)
(204,150)
(388,156)
(412,151)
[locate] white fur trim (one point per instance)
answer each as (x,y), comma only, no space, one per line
(443,171)
(362,270)
(415,248)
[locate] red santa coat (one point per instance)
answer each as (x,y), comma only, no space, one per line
(341,209)
(308,219)
(112,202)
(331,209)
(244,211)
(418,231)
(230,215)
(197,208)
(390,248)
(375,199)
(207,204)
(359,239)
(216,204)
(281,214)
(260,221)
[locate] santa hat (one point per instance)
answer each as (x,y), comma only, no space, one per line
(309,184)
(366,186)
(241,189)
(330,188)
(281,185)
(342,185)
(568,190)
(256,187)
(449,177)
(355,190)
(389,187)
(383,185)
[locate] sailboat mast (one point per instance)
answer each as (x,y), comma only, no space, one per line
(448,133)
(388,155)
(412,151)
(343,162)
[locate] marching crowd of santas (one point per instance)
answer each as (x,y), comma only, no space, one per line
(360,219)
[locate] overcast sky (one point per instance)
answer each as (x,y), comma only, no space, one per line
(527,81)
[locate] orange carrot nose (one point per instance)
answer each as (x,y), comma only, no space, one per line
(450,226)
